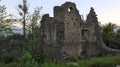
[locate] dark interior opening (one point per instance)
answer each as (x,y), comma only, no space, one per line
(74,23)
(83,31)
(76,19)
(69,9)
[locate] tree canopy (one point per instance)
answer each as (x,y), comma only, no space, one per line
(110,37)
(5,21)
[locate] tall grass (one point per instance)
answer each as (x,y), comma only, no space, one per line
(28,61)
(100,62)
(51,64)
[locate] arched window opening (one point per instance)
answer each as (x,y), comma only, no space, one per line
(69,9)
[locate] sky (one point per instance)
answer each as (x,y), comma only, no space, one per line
(107,10)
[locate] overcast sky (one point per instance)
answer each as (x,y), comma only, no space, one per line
(107,10)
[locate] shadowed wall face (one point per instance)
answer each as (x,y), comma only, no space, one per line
(72,31)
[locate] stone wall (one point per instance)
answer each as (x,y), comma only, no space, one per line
(66,35)
(72,32)
(52,35)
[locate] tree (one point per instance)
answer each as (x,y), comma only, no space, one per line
(23,11)
(118,33)
(35,18)
(117,40)
(108,34)
(34,25)
(34,33)
(5,21)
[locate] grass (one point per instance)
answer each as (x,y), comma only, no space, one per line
(106,61)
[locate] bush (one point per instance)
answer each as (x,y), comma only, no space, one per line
(27,61)
(35,49)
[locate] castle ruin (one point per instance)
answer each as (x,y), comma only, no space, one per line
(66,35)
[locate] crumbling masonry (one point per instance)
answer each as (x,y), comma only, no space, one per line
(66,35)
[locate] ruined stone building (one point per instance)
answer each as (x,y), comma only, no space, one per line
(66,35)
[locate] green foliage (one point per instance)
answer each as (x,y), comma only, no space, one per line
(27,61)
(110,37)
(100,62)
(118,33)
(11,53)
(108,32)
(14,64)
(51,64)
(23,8)
(35,49)
(5,21)
(35,17)
(34,26)
(4,57)
(23,12)
(1,37)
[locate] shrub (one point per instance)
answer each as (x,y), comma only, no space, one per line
(35,49)
(27,61)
